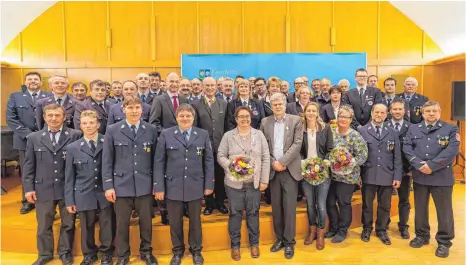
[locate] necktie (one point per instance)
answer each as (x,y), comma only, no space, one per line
(361,94)
(228,99)
(408,98)
(34,95)
(101,105)
(389,101)
(54,141)
(59,101)
(118,100)
(143,98)
(429,126)
(377,130)
(245,103)
(175,103)
(133,129)
(92,143)
(397,126)
(185,134)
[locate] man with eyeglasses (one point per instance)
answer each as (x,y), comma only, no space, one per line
(95,102)
(185,87)
(362,98)
(260,89)
(413,100)
(297,84)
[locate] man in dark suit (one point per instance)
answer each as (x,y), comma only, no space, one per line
(59,85)
(380,172)
(362,98)
(196,91)
(184,173)
(20,117)
(79,91)
(154,79)
(297,108)
(315,84)
(397,111)
(95,102)
(162,114)
(227,90)
(143,82)
(117,91)
(84,192)
(389,96)
(273,86)
(413,100)
(324,97)
(373,81)
(431,148)
(297,84)
(127,172)
(211,116)
(260,88)
(116,112)
(284,133)
(44,179)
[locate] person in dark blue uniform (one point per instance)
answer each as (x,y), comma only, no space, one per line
(381,171)
(244,98)
(44,179)
(431,148)
(184,173)
(127,173)
(413,100)
(84,193)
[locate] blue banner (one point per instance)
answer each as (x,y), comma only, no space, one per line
(286,66)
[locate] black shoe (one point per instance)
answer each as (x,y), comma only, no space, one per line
(329,234)
(149,259)
(442,251)
(418,242)
(164,215)
(198,259)
(277,246)
(268,201)
(289,252)
(299,198)
(122,261)
(393,192)
(176,260)
(366,235)
(404,234)
(222,209)
(384,238)
(89,260)
(186,214)
(338,238)
(208,211)
(106,260)
(42,261)
(67,259)
(26,207)
(134,214)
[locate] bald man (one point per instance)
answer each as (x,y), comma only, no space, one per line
(143,82)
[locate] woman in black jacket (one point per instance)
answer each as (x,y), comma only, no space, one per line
(244,98)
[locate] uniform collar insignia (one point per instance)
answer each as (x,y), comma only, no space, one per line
(50,100)
(420,125)
(66,132)
(102,140)
(195,132)
(43,134)
(122,126)
(143,126)
(176,131)
(24,95)
(93,103)
(439,124)
(82,143)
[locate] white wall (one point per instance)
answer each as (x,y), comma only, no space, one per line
(443,21)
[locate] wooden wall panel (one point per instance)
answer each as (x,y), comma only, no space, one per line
(219,29)
(122,74)
(310,26)
(86,75)
(11,82)
(130,24)
(45,73)
(43,40)
(85,25)
(359,35)
(414,71)
(264,27)
(176,25)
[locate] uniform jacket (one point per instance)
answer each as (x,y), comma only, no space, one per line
(362,110)
(116,113)
(90,104)
(402,134)
(256,107)
(415,107)
(68,105)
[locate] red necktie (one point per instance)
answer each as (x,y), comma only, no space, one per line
(175,103)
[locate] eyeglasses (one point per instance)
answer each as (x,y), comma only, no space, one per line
(243,117)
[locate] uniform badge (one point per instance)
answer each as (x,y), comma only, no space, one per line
(443,140)
(370,103)
(390,145)
(64,155)
(418,110)
(255,112)
(146,147)
(200,151)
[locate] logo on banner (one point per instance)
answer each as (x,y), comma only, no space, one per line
(203,73)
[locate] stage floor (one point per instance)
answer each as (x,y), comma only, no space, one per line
(19,242)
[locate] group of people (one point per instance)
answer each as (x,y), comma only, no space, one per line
(111,155)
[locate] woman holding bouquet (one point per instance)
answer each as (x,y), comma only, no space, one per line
(317,144)
(348,154)
(244,154)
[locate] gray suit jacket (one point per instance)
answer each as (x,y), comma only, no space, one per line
(162,113)
(44,165)
(292,143)
(231,146)
(212,119)
(83,176)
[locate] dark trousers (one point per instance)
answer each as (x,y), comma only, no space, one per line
(219,188)
(175,214)
(340,218)
(45,214)
(123,208)
(316,198)
(442,197)
(22,154)
(88,219)
(284,189)
(384,202)
(403,202)
(247,198)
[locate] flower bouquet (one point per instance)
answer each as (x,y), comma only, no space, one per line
(241,168)
(315,170)
(333,123)
(341,160)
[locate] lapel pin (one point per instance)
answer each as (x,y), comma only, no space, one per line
(93,103)
(122,126)
(287,128)
(102,140)
(66,133)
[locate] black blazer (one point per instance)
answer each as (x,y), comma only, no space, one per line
(362,110)
(162,113)
(324,141)
(294,108)
(414,107)
(257,108)
(267,107)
